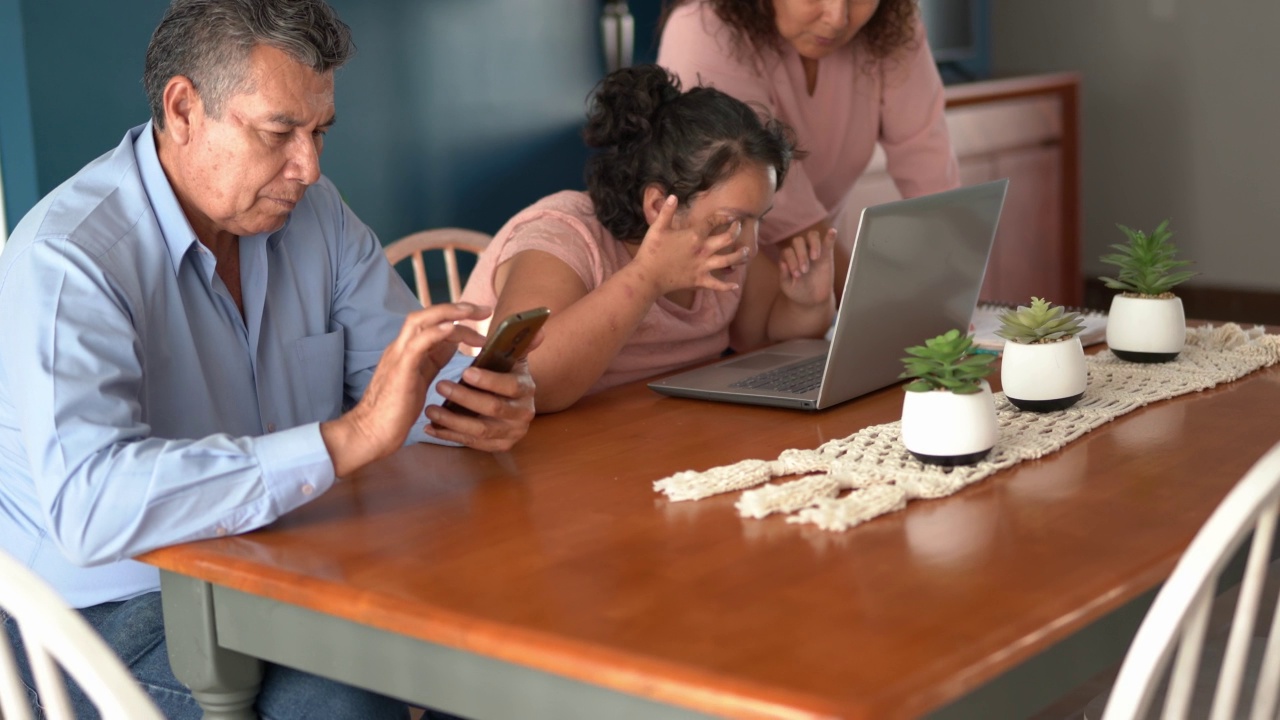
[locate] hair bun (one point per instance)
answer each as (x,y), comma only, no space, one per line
(623,106)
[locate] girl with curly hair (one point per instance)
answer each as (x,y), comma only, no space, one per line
(844,74)
(655,266)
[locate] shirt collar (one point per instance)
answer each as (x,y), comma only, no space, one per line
(174,226)
(177,230)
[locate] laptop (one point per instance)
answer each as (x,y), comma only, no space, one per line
(915,272)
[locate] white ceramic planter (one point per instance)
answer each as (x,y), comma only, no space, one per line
(1045,377)
(943,428)
(1149,330)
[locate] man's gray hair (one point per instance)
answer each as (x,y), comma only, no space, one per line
(208,42)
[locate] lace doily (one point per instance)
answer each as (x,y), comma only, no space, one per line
(851,480)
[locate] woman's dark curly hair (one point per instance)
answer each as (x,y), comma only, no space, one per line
(890,28)
(646,131)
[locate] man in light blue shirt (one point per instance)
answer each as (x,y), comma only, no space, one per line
(200,336)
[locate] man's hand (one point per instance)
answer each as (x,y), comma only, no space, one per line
(392,403)
(503,403)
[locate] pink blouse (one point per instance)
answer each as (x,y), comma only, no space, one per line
(897,102)
(565,226)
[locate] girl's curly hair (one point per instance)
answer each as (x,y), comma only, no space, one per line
(889,29)
(646,131)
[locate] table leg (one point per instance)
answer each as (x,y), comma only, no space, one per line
(224,682)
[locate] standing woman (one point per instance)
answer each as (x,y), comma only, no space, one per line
(655,266)
(844,74)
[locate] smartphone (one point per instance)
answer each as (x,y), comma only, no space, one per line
(506,346)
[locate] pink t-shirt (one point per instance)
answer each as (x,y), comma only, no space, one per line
(897,102)
(565,225)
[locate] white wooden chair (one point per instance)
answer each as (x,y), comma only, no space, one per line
(1180,615)
(56,637)
(448,240)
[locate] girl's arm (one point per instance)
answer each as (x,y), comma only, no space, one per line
(588,328)
(789,299)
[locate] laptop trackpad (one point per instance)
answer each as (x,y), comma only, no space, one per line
(762,361)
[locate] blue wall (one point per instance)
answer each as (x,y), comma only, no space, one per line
(453,112)
(17,148)
(83,101)
(461,112)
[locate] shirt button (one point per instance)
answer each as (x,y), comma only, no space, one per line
(308,489)
(271,427)
(221,531)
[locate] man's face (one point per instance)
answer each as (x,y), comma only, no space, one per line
(242,173)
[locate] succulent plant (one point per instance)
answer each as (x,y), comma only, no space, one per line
(1041,322)
(946,362)
(1146,262)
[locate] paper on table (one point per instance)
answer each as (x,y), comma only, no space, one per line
(986,320)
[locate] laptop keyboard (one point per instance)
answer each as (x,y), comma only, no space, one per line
(798,378)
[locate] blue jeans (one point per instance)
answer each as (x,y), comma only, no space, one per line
(135,630)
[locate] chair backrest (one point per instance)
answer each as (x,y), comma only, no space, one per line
(1180,613)
(56,637)
(448,240)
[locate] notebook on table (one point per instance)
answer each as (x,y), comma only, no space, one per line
(986,321)
(914,272)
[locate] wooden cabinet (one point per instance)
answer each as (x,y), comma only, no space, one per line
(1025,129)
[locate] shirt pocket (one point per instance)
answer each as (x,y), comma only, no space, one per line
(320,366)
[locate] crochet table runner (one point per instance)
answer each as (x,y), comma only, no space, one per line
(851,480)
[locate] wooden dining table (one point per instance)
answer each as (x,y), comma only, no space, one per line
(554,582)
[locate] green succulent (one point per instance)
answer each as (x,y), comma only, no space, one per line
(1042,322)
(946,362)
(1146,262)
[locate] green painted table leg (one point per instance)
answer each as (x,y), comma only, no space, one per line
(224,682)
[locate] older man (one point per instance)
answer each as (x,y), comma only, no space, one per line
(187,319)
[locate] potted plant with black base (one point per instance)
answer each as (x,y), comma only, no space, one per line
(1146,322)
(1042,368)
(948,413)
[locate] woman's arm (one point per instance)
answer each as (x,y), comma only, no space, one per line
(913,127)
(791,298)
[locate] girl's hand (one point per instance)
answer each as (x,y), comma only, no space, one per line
(807,269)
(691,257)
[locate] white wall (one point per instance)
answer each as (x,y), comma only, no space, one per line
(1181,119)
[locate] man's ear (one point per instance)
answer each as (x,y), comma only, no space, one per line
(182,108)
(653,198)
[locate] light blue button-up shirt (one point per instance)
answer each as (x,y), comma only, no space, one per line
(138,407)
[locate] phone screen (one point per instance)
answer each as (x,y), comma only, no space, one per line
(506,345)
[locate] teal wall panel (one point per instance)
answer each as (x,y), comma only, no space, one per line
(453,112)
(17,147)
(84,70)
(461,112)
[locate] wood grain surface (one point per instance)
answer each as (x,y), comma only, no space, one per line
(560,555)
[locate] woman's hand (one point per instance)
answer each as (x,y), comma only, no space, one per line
(688,258)
(807,269)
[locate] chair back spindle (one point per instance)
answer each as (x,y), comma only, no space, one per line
(1175,629)
(57,639)
(447,240)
